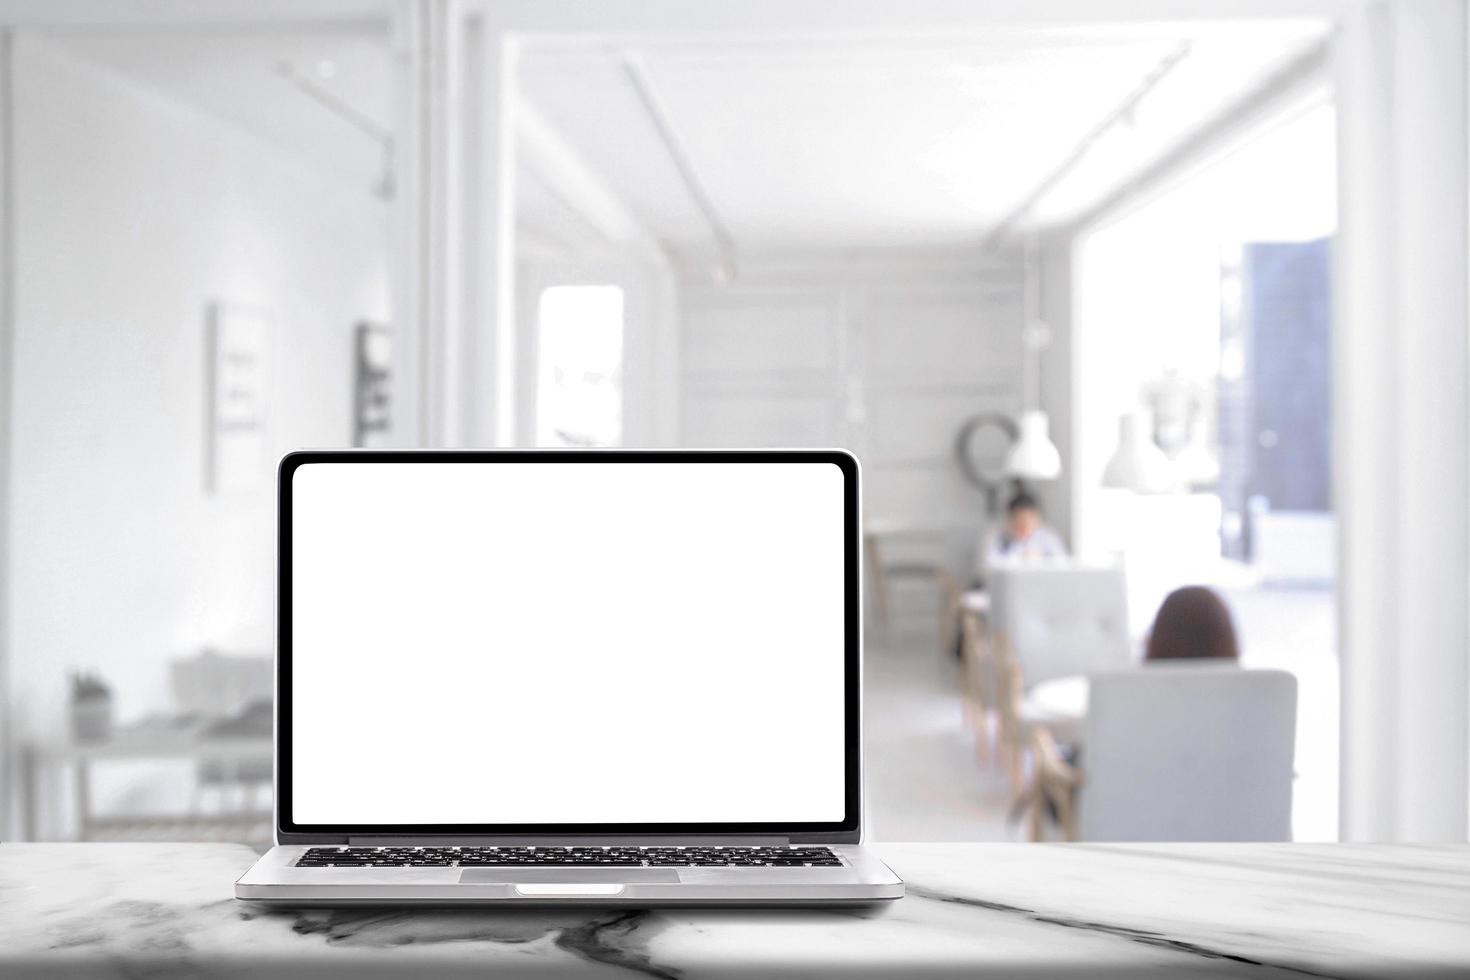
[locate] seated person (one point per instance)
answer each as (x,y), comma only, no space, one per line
(1025,536)
(1193,623)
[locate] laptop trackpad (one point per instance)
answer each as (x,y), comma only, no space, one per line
(528,876)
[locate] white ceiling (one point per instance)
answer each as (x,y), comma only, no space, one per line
(239,77)
(878,142)
(890,143)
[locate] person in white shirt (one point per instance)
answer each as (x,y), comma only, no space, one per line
(1023,539)
(1024,536)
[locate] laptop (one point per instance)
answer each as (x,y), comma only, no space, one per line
(567,677)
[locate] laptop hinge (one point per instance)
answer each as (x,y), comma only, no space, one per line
(410,840)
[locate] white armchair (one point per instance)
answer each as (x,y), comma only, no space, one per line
(1050,621)
(1177,752)
(1062,620)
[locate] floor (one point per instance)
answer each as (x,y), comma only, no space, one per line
(924,779)
(926,783)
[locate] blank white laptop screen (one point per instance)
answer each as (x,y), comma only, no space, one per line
(566,642)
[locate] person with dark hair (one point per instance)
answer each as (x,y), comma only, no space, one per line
(1193,623)
(1025,536)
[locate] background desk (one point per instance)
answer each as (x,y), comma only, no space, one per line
(111,910)
(186,742)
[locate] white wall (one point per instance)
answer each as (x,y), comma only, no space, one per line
(134,213)
(1058,367)
(886,354)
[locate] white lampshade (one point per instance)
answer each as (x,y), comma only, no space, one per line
(1138,464)
(1034,456)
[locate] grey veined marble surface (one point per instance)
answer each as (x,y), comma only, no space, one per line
(167,910)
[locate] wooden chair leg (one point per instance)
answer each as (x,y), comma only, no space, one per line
(1016,768)
(984,751)
(1067,813)
(1009,692)
(1036,815)
(975,670)
(1057,783)
(949,611)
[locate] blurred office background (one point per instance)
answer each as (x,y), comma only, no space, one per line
(1192,273)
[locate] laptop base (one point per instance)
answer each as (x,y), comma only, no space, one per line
(861,879)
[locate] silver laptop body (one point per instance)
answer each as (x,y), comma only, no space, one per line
(568,677)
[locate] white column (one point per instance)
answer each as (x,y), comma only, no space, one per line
(1433,324)
(8,748)
(1401,420)
(454,223)
(490,303)
(443,79)
(423,220)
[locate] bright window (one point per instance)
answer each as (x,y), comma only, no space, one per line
(579,398)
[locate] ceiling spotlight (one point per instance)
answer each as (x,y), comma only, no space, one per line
(326,69)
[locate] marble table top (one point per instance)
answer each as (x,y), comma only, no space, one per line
(1034,910)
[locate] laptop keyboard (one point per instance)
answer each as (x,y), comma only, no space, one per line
(651,857)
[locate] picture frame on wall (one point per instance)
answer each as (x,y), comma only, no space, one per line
(237,454)
(372,376)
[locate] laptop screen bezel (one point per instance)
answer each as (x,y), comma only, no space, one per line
(288,831)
